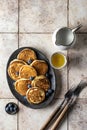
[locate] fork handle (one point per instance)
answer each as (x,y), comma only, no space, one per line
(57,110)
(66,107)
(59,118)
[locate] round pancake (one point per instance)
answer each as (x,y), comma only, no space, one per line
(21,86)
(35,95)
(14,67)
(40,66)
(41,82)
(26,55)
(27,71)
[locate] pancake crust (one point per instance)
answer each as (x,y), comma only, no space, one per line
(41,82)
(35,95)
(40,66)
(14,67)
(26,55)
(21,86)
(27,71)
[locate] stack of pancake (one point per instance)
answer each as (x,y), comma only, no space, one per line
(29,75)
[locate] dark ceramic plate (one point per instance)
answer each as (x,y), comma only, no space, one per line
(52,79)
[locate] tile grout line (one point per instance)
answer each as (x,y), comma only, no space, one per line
(18,118)
(7,98)
(67,13)
(8,32)
(35,32)
(46,33)
(67,50)
(18,21)
(67,59)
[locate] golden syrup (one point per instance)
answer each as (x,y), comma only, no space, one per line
(58,60)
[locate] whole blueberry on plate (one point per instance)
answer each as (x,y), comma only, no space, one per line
(29,86)
(47,94)
(29,61)
(17,73)
(25,98)
(11,108)
(31,78)
(48,75)
(50,91)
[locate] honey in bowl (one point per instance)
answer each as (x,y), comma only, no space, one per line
(58,60)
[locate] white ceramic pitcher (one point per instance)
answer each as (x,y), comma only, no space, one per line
(65,37)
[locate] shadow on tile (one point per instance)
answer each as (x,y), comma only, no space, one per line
(77,55)
(59,83)
(74,60)
(81,42)
(71,109)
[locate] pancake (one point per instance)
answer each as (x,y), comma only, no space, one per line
(21,86)
(40,66)
(35,95)
(41,82)
(26,55)
(27,71)
(14,67)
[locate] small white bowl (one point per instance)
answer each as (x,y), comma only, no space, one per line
(64,59)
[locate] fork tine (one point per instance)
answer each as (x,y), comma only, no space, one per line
(76,90)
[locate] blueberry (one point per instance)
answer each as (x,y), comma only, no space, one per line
(17,73)
(48,75)
(13,83)
(31,78)
(29,86)
(10,105)
(24,97)
(11,109)
(29,61)
(47,95)
(15,108)
(7,109)
(50,91)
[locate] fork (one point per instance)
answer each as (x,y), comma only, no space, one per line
(69,99)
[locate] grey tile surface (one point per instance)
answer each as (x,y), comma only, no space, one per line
(7,122)
(78,62)
(8,44)
(42,15)
(77,14)
(8,15)
(77,118)
(28,117)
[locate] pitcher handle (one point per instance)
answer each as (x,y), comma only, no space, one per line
(77,28)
